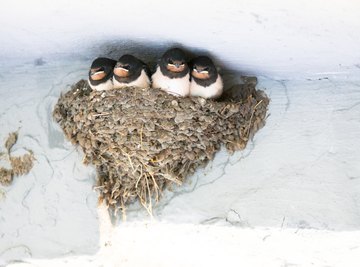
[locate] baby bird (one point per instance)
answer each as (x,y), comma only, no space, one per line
(172,73)
(205,80)
(100,74)
(130,71)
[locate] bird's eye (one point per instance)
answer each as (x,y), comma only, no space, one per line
(206,69)
(127,67)
(171,62)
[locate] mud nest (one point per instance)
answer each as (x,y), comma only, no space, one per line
(144,140)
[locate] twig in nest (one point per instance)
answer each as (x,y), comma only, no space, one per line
(129,158)
(172,179)
(156,187)
(145,196)
(98,187)
(141,174)
(251,117)
(141,136)
(101,114)
(149,207)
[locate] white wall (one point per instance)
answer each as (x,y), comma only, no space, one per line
(301,170)
(279,39)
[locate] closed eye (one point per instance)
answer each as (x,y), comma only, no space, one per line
(124,67)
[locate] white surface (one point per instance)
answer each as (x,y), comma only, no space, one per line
(162,245)
(51,211)
(283,39)
(300,174)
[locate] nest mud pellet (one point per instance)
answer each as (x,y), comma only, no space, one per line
(20,165)
(143,140)
(6,176)
(23,164)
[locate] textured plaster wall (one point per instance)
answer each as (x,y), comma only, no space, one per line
(282,39)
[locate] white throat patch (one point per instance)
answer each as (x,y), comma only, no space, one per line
(213,91)
(175,86)
(108,85)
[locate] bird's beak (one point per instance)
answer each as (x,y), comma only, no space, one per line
(200,71)
(122,69)
(96,71)
(200,74)
(97,74)
(176,67)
